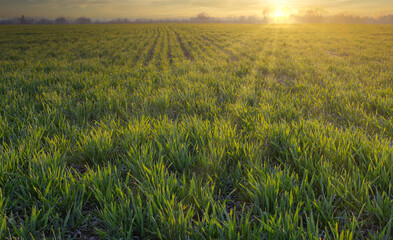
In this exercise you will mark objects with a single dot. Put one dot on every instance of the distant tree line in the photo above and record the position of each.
(320, 15)
(58, 21)
(316, 15)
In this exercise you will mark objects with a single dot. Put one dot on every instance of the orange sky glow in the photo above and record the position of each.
(184, 8)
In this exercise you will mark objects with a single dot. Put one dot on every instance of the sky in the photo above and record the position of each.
(181, 8)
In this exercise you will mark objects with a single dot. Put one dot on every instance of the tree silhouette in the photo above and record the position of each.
(202, 17)
(61, 20)
(266, 12)
(83, 20)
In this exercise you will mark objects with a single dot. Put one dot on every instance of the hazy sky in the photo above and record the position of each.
(178, 8)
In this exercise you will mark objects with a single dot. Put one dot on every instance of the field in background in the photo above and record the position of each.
(196, 131)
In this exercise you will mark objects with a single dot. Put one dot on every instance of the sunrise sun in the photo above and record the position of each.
(280, 13)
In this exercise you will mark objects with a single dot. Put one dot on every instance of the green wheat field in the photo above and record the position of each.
(196, 131)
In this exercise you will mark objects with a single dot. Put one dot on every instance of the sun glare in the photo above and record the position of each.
(280, 13)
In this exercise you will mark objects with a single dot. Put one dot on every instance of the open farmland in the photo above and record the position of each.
(177, 131)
